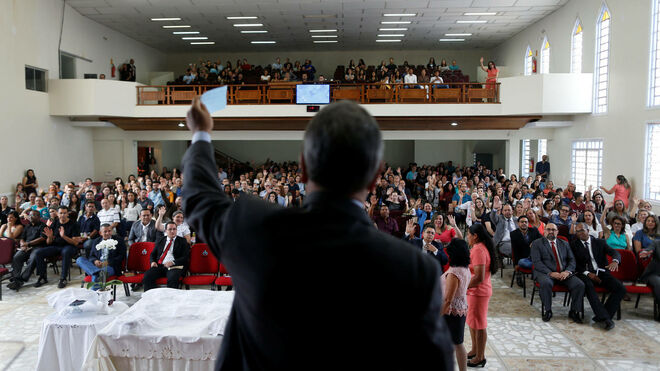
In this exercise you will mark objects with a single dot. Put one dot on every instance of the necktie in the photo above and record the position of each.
(586, 244)
(554, 251)
(160, 261)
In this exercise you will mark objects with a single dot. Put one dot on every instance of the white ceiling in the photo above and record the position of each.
(288, 22)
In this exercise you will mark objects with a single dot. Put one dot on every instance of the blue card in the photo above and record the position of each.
(215, 99)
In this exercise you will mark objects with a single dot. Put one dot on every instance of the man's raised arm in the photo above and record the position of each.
(204, 203)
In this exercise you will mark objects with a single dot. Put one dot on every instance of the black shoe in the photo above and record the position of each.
(597, 319)
(16, 285)
(40, 282)
(546, 317)
(471, 356)
(609, 324)
(61, 284)
(478, 364)
(575, 316)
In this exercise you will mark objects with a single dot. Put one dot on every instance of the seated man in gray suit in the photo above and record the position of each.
(143, 230)
(651, 274)
(554, 264)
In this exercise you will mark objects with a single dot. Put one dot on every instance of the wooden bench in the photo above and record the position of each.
(447, 94)
(242, 95)
(385, 94)
(280, 93)
(347, 93)
(182, 96)
(476, 94)
(412, 94)
(157, 96)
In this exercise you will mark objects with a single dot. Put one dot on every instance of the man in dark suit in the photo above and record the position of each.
(143, 230)
(651, 274)
(426, 244)
(521, 240)
(592, 268)
(554, 263)
(169, 258)
(313, 325)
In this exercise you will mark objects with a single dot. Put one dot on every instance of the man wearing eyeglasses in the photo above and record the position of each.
(593, 269)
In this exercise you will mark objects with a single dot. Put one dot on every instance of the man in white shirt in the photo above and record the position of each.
(222, 174)
(410, 78)
(108, 215)
(277, 65)
(169, 258)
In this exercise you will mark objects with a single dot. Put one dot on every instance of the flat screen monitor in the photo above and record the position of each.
(313, 94)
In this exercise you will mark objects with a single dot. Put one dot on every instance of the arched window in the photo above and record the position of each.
(576, 48)
(545, 56)
(601, 72)
(654, 76)
(528, 61)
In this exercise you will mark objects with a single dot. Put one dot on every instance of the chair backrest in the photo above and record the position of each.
(6, 250)
(138, 256)
(627, 267)
(222, 269)
(202, 260)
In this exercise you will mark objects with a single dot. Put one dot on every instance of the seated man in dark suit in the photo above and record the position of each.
(521, 240)
(169, 258)
(426, 243)
(651, 274)
(592, 268)
(93, 265)
(554, 263)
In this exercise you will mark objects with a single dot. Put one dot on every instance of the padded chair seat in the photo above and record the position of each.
(224, 281)
(88, 278)
(163, 280)
(601, 290)
(132, 279)
(199, 280)
(632, 289)
(555, 288)
(524, 270)
(3, 271)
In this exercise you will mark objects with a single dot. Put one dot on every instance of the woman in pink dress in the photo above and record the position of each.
(492, 72)
(454, 286)
(621, 190)
(483, 263)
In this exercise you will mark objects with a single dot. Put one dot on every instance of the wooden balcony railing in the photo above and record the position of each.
(285, 93)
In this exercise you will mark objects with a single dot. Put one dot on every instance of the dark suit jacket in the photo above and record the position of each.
(441, 257)
(544, 259)
(181, 250)
(136, 232)
(312, 323)
(115, 257)
(600, 249)
(519, 247)
(653, 269)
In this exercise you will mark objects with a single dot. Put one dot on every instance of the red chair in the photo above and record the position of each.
(6, 254)
(556, 289)
(224, 279)
(137, 263)
(520, 271)
(203, 268)
(628, 273)
(88, 279)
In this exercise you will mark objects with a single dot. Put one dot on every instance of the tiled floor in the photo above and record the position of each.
(517, 338)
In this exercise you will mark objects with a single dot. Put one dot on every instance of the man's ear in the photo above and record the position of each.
(372, 185)
(303, 170)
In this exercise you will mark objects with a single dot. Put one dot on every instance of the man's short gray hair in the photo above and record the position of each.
(342, 148)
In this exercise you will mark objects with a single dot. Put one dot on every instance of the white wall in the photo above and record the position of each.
(623, 128)
(29, 35)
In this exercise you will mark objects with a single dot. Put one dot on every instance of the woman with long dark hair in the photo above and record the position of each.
(454, 286)
(483, 263)
(29, 182)
(621, 190)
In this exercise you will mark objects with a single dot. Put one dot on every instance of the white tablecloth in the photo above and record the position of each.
(166, 329)
(65, 341)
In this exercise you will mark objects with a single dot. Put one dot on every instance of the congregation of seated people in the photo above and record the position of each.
(561, 234)
(217, 73)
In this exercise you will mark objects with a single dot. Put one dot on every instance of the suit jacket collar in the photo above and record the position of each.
(340, 203)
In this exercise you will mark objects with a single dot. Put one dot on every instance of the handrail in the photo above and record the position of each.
(372, 93)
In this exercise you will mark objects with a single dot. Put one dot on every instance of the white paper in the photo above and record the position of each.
(215, 99)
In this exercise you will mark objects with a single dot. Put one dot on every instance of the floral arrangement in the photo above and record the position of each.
(105, 246)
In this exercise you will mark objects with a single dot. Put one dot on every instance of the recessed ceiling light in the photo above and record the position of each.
(483, 13)
(393, 29)
(262, 42)
(185, 32)
(254, 31)
(388, 41)
(181, 124)
(177, 26)
(399, 14)
(322, 30)
(248, 24)
(202, 43)
(458, 34)
(247, 17)
(165, 19)
(324, 41)
(454, 124)
(328, 36)
(392, 35)
(195, 38)
(452, 39)
(471, 21)
(395, 22)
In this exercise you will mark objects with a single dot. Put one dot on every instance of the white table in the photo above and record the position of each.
(166, 329)
(65, 341)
